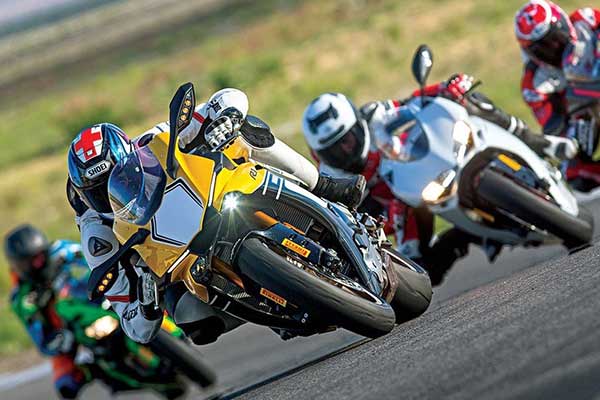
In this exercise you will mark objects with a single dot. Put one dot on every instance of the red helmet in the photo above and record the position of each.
(543, 30)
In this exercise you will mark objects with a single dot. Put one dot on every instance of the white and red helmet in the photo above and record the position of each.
(543, 30)
(336, 133)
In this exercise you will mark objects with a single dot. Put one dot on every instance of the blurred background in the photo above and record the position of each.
(66, 64)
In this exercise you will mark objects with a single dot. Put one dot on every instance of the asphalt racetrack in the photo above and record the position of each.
(525, 327)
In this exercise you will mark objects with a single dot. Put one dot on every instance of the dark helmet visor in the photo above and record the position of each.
(347, 153)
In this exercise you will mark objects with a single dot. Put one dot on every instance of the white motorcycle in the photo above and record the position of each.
(481, 178)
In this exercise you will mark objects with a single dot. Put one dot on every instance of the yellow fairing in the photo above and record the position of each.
(198, 173)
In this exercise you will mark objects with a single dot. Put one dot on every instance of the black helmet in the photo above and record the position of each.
(27, 251)
(92, 155)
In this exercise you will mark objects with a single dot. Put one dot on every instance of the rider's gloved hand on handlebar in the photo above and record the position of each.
(224, 129)
(208, 126)
(458, 85)
(561, 148)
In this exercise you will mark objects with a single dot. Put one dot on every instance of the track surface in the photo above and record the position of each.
(529, 333)
(533, 335)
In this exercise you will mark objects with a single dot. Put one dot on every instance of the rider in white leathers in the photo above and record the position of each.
(344, 139)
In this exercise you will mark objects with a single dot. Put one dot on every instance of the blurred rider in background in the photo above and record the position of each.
(38, 271)
(96, 150)
(344, 139)
(553, 43)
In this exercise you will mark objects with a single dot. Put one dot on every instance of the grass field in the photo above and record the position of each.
(282, 53)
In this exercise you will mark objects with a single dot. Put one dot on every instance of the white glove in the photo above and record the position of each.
(220, 132)
(561, 148)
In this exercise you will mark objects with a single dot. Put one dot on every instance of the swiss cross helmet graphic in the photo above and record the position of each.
(92, 155)
(544, 30)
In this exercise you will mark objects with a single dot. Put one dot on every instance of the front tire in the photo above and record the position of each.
(322, 300)
(413, 294)
(508, 195)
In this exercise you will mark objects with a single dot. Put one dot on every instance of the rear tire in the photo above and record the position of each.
(413, 294)
(509, 196)
(328, 304)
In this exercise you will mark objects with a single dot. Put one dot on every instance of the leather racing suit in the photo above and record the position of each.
(413, 228)
(35, 308)
(543, 87)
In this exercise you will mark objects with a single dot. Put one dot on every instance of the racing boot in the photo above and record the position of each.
(555, 147)
(348, 191)
(450, 246)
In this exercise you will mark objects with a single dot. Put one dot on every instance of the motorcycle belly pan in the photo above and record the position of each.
(457, 217)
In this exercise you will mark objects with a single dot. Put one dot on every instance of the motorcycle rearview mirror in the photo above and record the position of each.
(421, 66)
(181, 110)
(105, 275)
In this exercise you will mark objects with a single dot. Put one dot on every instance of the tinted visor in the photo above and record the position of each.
(96, 197)
(30, 267)
(347, 153)
(136, 187)
(551, 47)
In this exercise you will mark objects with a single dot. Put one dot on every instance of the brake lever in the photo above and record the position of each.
(475, 84)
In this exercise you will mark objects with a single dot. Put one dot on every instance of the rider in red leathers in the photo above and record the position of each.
(553, 43)
(346, 140)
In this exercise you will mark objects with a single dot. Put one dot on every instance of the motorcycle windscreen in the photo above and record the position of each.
(414, 142)
(434, 122)
(135, 187)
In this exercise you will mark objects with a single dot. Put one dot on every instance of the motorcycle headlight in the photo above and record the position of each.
(102, 327)
(231, 201)
(438, 189)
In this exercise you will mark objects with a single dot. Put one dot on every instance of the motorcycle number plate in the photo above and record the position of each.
(512, 164)
(296, 248)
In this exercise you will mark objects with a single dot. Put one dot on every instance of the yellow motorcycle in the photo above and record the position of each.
(250, 241)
